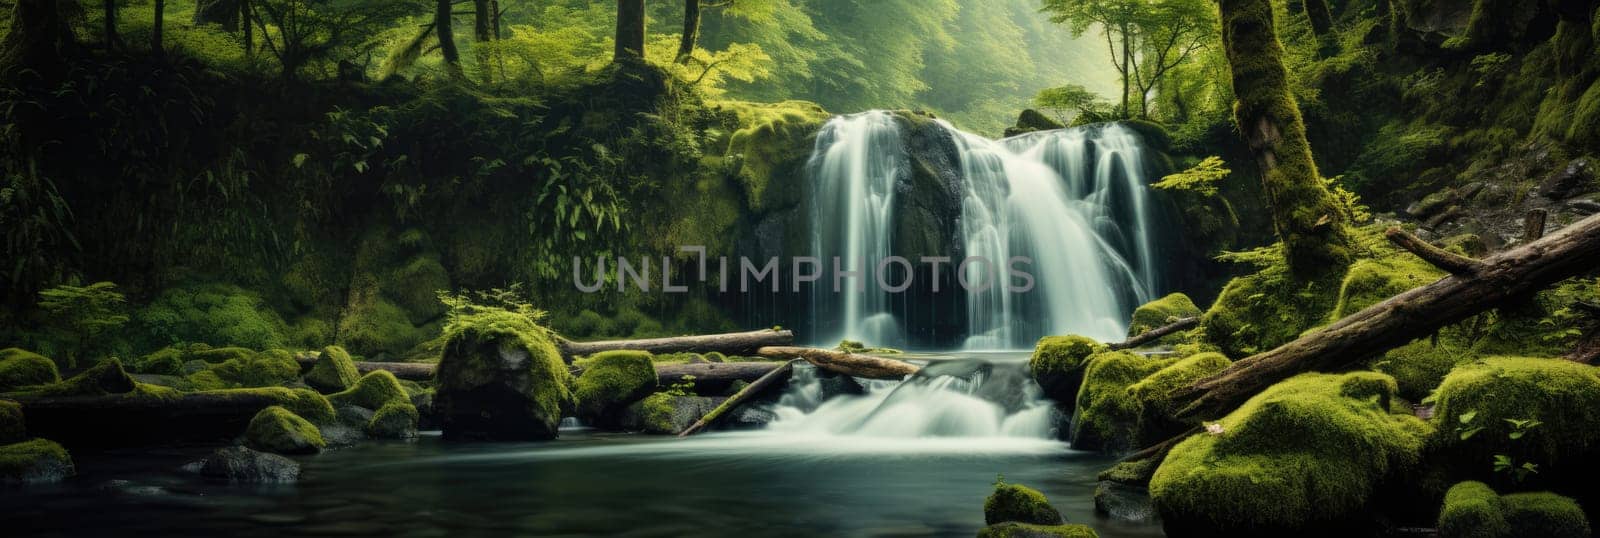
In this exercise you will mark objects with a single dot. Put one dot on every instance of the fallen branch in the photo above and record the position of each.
(1445, 260)
(749, 391)
(852, 364)
(1182, 324)
(1571, 251)
(743, 343)
(666, 374)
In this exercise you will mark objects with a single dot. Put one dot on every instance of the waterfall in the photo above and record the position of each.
(951, 398)
(1074, 201)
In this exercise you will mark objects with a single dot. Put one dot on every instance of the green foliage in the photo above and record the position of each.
(1473, 510)
(1018, 503)
(1201, 178)
(611, 381)
(21, 368)
(301, 32)
(1420, 366)
(246, 369)
(215, 314)
(1072, 101)
(82, 315)
(12, 426)
(280, 431)
(1306, 453)
(1260, 311)
(1161, 312)
(1487, 400)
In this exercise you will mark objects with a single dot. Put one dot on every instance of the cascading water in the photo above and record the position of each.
(1071, 200)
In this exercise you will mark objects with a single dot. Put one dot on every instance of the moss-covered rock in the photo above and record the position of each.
(772, 143)
(243, 368)
(1307, 455)
(1420, 366)
(34, 462)
(1266, 309)
(165, 361)
(1013, 529)
(1021, 504)
(1154, 391)
(280, 431)
(1107, 416)
(21, 368)
(1058, 362)
(611, 381)
(1371, 281)
(1161, 312)
(12, 426)
(1474, 510)
(394, 421)
(108, 377)
(501, 377)
(307, 403)
(1478, 401)
(373, 391)
(333, 371)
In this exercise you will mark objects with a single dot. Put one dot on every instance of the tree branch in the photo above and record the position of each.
(1450, 262)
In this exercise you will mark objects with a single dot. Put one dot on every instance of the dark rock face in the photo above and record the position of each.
(241, 465)
(500, 386)
(1031, 120)
(1123, 502)
(1577, 177)
(426, 420)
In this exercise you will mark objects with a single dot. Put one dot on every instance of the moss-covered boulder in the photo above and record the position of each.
(1106, 417)
(12, 426)
(1021, 504)
(243, 368)
(610, 382)
(501, 377)
(373, 391)
(1057, 365)
(333, 371)
(393, 421)
(1260, 311)
(1474, 510)
(21, 368)
(1372, 281)
(1476, 404)
(280, 431)
(1154, 392)
(1420, 366)
(34, 462)
(664, 413)
(1306, 456)
(1013, 529)
(1161, 312)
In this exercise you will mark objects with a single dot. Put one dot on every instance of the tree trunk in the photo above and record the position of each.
(630, 30)
(156, 46)
(494, 6)
(39, 38)
(113, 41)
(1306, 216)
(1489, 283)
(225, 13)
(844, 363)
(666, 374)
(745, 343)
(1321, 18)
(481, 15)
(691, 31)
(447, 39)
(247, 18)
(781, 373)
(1125, 66)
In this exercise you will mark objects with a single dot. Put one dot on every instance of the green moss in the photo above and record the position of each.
(1058, 362)
(34, 461)
(1258, 312)
(215, 314)
(1161, 312)
(1013, 529)
(1107, 416)
(245, 369)
(1420, 366)
(1472, 510)
(612, 380)
(21, 368)
(394, 420)
(1022, 504)
(1564, 395)
(1544, 514)
(1154, 391)
(12, 426)
(544, 392)
(1133, 473)
(373, 391)
(333, 371)
(1371, 281)
(1306, 453)
(771, 142)
(165, 361)
(280, 431)
(655, 414)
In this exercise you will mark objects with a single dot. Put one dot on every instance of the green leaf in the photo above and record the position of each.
(299, 159)
(1467, 417)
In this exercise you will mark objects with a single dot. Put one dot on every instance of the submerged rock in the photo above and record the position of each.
(501, 378)
(1123, 502)
(38, 461)
(242, 465)
(279, 430)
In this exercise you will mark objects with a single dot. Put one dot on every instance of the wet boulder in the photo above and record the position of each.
(240, 465)
(610, 382)
(1576, 178)
(1057, 365)
(501, 377)
(1022, 504)
(393, 421)
(279, 430)
(333, 371)
(666, 414)
(1160, 312)
(38, 461)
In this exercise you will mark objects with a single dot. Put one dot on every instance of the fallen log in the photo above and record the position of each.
(1491, 282)
(1182, 324)
(749, 391)
(666, 374)
(743, 343)
(133, 419)
(852, 364)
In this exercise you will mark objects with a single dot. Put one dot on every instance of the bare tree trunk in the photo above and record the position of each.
(443, 28)
(246, 17)
(1471, 288)
(630, 30)
(481, 16)
(1305, 214)
(156, 46)
(691, 31)
(113, 41)
(1321, 18)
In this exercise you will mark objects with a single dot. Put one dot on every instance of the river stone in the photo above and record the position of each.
(426, 419)
(1576, 177)
(501, 378)
(242, 465)
(1123, 502)
(38, 461)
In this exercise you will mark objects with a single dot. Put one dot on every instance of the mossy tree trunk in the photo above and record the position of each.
(630, 30)
(1306, 216)
(481, 13)
(245, 18)
(691, 31)
(447, 39)
(39, 38)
